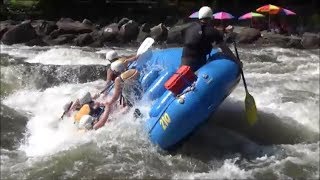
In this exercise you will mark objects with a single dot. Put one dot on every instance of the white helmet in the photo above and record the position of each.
(85, 98)
(111, 55)
(118, 66)
(205, 12)
(85, 122)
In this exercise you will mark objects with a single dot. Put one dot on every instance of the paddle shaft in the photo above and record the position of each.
(242, 75)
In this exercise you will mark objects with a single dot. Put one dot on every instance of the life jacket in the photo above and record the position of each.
(88, 110)
(131, 88)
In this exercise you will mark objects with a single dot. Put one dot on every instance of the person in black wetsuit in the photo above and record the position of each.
(198, 41)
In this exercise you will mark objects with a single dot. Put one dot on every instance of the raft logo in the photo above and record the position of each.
(164, 121)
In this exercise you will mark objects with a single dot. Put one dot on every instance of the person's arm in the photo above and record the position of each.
(117, 91)
(109, 76)
(103, 118)
(218, 37)
(131, 59)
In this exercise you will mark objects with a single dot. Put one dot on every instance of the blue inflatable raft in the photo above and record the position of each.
(173, 117)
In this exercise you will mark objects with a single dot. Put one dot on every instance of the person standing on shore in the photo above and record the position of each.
(198, 41)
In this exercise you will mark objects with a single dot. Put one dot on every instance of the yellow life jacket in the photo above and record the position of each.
(84, 110)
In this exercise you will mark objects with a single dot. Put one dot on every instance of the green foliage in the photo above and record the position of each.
(23, 3)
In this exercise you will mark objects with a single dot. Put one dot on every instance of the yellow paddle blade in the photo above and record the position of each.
(251, 109)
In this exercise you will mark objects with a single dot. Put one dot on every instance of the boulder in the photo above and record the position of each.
(87, 22)
(96, 35)
(230, 37)
(248, 35)
(122, 22)
(129, 31)
(110, 32)
(45, 27)
(310, 40)
(294, 42)
(83, 40)
(36, 42)
(159, 32)
(55, 33)
(21, 33)
(272, 39)
(63, 39)
(5, 26)
(144, 32)
(69, 26)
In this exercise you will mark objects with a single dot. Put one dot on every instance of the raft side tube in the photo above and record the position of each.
(149, 78)
(177, 120)
(157, 88)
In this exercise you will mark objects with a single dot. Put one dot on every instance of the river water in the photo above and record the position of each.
(36, 82)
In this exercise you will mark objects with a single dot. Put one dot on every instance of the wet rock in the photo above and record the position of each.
(110, 32)
(310, 40)
(69, 26)
(83, 40)
(87, 22)
(63, 39)
(248, 35)
(144, 32)
(230, 37)
(129, 31)
(5, 26)
(122, 22)
(37, 42)
(271, 39)
(21, 33)
(43, 27)
(159, 32)
(97, 39)
(294, 42)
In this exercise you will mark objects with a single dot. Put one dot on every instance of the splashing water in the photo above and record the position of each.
(284, 83)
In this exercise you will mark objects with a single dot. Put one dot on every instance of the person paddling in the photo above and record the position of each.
(127, 90)
(118, 66)
(198, 41)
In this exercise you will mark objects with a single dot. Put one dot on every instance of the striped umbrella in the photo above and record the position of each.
(270, 9)
(251, 15)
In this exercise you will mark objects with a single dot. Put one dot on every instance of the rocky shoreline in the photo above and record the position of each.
(66, 31)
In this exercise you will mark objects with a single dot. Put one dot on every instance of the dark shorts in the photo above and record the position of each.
(194, 63)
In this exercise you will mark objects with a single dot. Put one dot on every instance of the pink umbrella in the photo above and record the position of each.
(194, 15)
(222, 15)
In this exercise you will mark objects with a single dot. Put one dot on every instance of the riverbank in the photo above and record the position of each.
(67, 31)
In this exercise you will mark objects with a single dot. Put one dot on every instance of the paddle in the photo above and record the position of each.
(250, 105)
(66, 108)
(145, 45)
